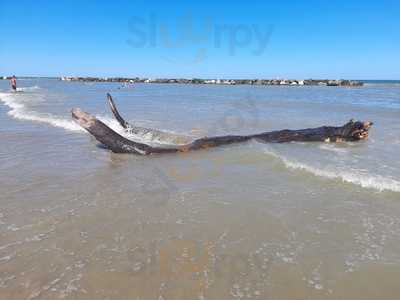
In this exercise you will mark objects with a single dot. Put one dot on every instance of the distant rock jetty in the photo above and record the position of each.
(292, 82)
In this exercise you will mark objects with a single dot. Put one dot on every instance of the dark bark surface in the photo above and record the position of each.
(116, 114)
(351, 131)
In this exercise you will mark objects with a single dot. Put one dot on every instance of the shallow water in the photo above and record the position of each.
(256, 221)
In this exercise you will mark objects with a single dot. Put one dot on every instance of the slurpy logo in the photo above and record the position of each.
(197, 37)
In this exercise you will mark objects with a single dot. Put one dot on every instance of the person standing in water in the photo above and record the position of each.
(13, 82)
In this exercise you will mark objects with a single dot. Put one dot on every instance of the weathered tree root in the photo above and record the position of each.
(351, 131)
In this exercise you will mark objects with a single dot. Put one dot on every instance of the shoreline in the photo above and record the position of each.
(291, 82)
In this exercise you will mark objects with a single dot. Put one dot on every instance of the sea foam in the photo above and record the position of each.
(19, 110)
(376, 182)
(28, 88)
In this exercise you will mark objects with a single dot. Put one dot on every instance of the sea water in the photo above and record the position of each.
(253, 220)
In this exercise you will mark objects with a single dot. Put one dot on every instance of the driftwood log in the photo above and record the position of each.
(351, 131)
(152, 134)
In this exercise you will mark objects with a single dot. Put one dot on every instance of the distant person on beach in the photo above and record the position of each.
(13, 82)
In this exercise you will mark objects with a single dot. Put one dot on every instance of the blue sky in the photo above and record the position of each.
(207, 39)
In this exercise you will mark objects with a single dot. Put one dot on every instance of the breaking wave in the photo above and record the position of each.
(28, 88)
(20, 111)
(376, 182)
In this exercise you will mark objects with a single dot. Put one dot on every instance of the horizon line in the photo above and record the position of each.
(201, 78)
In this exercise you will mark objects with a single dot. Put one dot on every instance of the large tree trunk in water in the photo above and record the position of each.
(351, 131)
(148, 133)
